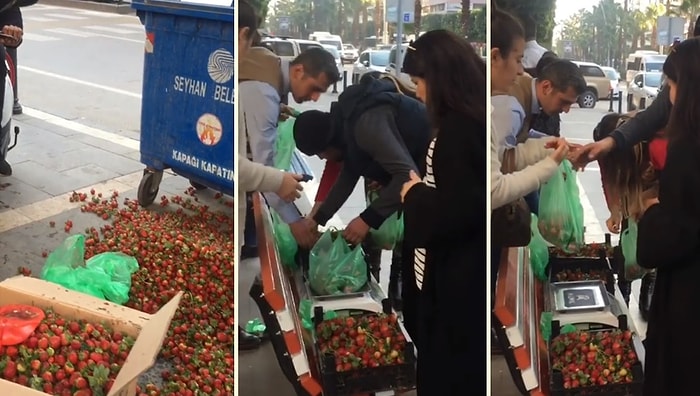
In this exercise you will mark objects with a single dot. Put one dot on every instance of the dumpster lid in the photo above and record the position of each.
(210, 9)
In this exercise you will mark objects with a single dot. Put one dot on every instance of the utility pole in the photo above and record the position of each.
(622, 40)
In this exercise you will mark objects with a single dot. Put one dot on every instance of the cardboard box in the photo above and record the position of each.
(148, 330)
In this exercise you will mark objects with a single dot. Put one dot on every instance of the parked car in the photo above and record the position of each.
(349, 54)
(370, 60)
(333, 40)
(288, 49)
(336, 55)
(645, 85)
(615, 80)
(391, 68)
(598, 84)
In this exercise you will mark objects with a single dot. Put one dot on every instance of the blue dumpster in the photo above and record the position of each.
(187, 102)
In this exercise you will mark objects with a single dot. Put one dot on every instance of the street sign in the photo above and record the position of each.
(669, 27)
(391, 16)
(407, 17)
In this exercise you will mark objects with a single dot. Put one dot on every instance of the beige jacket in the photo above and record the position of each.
(260, 65)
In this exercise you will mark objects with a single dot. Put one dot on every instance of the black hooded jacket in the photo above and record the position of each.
(383, 135)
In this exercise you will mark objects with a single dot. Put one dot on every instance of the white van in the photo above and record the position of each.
(645, 62)
(333, 40)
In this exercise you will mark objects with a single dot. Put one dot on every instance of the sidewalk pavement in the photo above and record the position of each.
(123, 7)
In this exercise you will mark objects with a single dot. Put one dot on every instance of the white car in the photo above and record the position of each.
(349, 54)
(645, 85)
(288, 49)
(370, 60)
(332, 49)
(615, 78)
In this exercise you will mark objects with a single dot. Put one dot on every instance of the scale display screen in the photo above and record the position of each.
(579, 298)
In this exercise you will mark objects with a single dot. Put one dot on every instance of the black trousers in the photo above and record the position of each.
(13, 55)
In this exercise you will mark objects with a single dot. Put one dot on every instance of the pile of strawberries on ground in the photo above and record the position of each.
(189, 249)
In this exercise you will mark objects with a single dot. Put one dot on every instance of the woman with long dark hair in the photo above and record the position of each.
(445, 216)
(669, 236)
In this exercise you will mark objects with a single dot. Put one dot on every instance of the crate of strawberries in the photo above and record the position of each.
(602, 363)
(363, 354)
(585, 265)
(59, 342)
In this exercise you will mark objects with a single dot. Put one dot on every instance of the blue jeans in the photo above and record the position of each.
(250, 236)
(533, 201)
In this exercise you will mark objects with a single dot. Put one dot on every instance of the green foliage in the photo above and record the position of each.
(452, 22)
(262, 7)
(541, 10)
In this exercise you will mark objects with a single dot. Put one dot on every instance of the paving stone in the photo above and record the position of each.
(45, 179)
(103, 144)
(89, 174)
(119, 164)
(15, 193)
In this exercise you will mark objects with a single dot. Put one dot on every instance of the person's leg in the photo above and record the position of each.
(250, 237)
(619, 267)
(496, 253)
(373, 253)
(17, 107)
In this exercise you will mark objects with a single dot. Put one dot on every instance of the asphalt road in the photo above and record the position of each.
(82, 65)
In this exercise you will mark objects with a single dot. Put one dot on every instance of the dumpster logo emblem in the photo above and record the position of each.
(209, 129)
(221, 66)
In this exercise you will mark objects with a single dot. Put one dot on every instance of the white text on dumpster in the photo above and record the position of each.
(190, 86)
(214, 169)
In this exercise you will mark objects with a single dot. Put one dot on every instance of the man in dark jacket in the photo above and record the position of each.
(377, 133)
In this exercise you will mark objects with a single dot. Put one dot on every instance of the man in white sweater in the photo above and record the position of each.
(254, 176)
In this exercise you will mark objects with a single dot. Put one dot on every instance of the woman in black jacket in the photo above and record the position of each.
(669, 236)
(445, 217)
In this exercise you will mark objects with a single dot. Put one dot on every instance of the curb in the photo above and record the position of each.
(122, 9)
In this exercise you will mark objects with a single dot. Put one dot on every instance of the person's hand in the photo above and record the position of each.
(291, 187)
(356, 231)
(414, 179)
(305, 232)
(592, 152)
(614, 223)
(373, 186)
(14, 31)
(561, 149)
(286, 112)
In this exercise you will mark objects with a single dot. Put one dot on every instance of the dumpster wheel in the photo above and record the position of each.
(148, 188)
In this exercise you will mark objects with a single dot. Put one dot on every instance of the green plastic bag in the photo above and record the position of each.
(335, 268)
(539, 252)
(561, 214)
(106, 275)
(284, 240)
(628, 243)
(307, 314)
(285, 145)
(390, 233)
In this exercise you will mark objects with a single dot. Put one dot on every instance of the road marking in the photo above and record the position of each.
(66, 16)
(84, 34)
(37, 19)
(111, 29)
(133, 26)
(84, 129)
(38, 37)
(71, 32)
(81, 82)
(99, 14)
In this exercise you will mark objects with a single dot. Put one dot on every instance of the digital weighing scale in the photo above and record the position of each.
(369, 298)
(585, 304)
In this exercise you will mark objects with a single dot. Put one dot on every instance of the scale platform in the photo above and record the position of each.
(368, 299)
(585, 304)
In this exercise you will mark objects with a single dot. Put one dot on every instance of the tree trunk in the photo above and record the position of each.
(378, 17)
(466, 10)
(361, 33)
(654, 43)
(418, 13)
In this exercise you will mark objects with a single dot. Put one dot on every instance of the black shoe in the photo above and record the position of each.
(247, 341)
(5, 168)
(249, 252)
(17, 108)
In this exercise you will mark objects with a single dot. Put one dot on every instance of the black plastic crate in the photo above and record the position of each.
(586, 266)
(364, 380)
(634, 388)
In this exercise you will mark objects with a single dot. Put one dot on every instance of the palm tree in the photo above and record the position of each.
(417, 14)
(466, 9)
